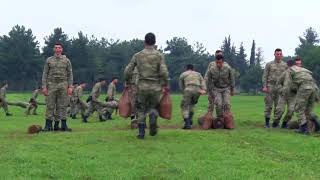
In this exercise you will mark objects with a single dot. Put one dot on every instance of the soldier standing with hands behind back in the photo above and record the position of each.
(57, 81)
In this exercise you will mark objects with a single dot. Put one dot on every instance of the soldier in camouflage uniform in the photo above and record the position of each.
(3, 100)
(111, 96)
(300, 80)
(33, 104)
(220, 82)
(57, 81)
(152, 78)
(289, 100)
(272, 72)
(210, 95)
(93, 102)
(192, 84)
(77, 103)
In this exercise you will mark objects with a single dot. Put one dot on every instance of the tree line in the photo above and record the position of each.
(22, 58)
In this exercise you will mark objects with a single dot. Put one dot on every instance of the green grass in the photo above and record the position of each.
(110, 150)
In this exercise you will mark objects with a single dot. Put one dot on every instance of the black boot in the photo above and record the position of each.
(284, 125)
(48, 126)
(303, 129)
(316, 125)
(74, 116)
(56, 126)
(275, 123)
(102, 118)
(8, 114)
(187, 123)
(191, 117)
(84, 118)
(267, 120)
(153, 125)
(141, 127)
(64, 126)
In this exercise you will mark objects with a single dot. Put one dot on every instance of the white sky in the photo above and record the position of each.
(271, 23)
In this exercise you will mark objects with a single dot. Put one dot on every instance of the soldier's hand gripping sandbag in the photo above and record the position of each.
(34, 129)
(205, 121)
(125, 104)
(165, 106)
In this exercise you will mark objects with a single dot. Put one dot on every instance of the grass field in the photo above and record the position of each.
(110, 150)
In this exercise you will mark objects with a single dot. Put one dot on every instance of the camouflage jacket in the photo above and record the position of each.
(133, 79)
(35, 94)
(111, 91)
(272, 72)
(96, 90)
(298, 78)
(57, 70)
(77, 92)
(217, 78)
(151, 69)
(3, 92)
(191, 78)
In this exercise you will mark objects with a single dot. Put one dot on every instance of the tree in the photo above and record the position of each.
(253, 54)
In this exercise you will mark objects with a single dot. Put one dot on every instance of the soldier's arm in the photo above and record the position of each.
(128, 71)
(80, 92)
(287, 83)
(69, 74)
(45, 74)
(232, 79)
(94, 92)
(110, 91)
(265, 75)
(202, 83)
(164, 74)
(206, 76)
(181, 81)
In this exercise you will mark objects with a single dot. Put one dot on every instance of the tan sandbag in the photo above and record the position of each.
(34, 129)
(205, 121)
(228, 120)
(165, 106)
(125, 104)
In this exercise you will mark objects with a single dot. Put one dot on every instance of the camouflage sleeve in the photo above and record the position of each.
(163, 72)
(69, 74)
(202, 83)
(232, 79)
(110, 91)
(94, 91)
(128, 71)
(45, 74)
(80, 93)
(287, 83)
(181, 81)
(265, 75)
(206, 77)
(281, 79)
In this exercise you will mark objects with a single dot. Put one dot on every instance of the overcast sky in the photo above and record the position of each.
(271, 23)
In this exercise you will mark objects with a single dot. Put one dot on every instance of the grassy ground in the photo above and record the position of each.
(110, 150)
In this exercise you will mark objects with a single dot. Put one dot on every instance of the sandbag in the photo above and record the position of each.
(218, 123)
(34, 129)
(125, 104)
(165, 106)
(228, 120)
(205, 121)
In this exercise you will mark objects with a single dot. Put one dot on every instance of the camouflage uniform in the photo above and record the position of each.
(111, 98)
(272, 72)
(33, 104)
(152, 76)
(3, 101)
(76, 102)
(288, 99)
(95, 104)
(57, 77)
(219, 82)
(210, 93)
(300, 80)
(191, 82)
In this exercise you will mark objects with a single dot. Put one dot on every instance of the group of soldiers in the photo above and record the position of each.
(146, 77)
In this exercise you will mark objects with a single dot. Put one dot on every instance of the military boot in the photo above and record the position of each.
(316, 125)
(64, 126)
(267, 120)
(8, 114)
(74, 116)
(284, 125)
(153, 125)
(47, 126)
(303, 129)
(187, 123)
(84, 118)
(141, 127)
(56, 126)
(191, 117)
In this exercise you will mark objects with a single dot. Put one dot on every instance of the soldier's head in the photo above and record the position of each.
(218, 52)
(297, 61)
(115, 80)
(102, 81)
(75, 84)
(58, 48)
(82, 84)
(278, 54)
(290, 63)
(150, 39)
(5, 84)
(189, 67)
(219, 60)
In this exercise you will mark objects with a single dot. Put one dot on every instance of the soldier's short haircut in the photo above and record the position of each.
(189, 67)
(290, 63)
(277, 50)
(219, 57)
(113, 78)
(58, 44)
(150, 39)
(218, 51)
(297, 58)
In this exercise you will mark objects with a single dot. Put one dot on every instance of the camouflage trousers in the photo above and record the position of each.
(147, 103)
(133, 99)
(32, 106)
(290, 101)
(304, 104)
(271, 100)
(95, 106)
(77, 105)
(211, 101)
(189, 100)
(57, 101)
(4, 105)
(221, 100)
